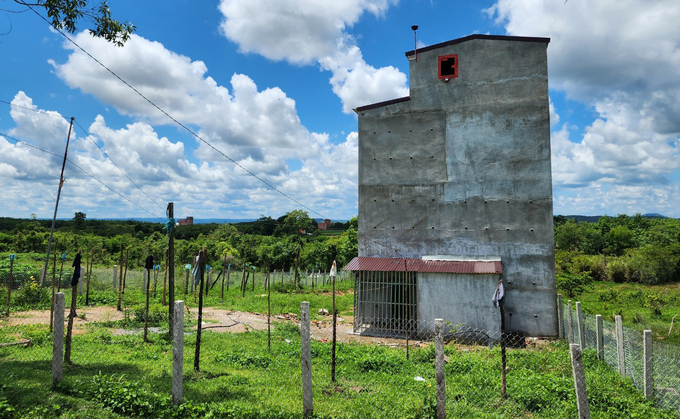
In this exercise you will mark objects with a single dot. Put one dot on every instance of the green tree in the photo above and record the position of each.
(68, 14)
(79, 220)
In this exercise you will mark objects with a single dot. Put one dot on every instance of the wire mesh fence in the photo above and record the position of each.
(626, 355)
(249, 363)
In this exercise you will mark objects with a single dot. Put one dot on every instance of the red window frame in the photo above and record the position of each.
(443, 58)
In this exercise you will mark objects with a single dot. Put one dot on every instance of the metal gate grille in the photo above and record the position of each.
(385, 303)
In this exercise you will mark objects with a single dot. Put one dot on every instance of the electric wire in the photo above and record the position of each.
(189, 130)
(88, 136)
(82, 170)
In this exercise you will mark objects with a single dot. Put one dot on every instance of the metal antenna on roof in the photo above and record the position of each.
(414, 28)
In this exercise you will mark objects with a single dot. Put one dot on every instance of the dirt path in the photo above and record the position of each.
(214, 320)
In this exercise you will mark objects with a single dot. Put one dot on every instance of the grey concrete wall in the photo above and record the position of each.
(463, 168)
(439, 297)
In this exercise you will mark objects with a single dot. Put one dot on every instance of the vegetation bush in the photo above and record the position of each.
(158, 315)
(573, 284)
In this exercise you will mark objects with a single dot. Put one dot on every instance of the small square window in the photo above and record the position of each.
(448, 66)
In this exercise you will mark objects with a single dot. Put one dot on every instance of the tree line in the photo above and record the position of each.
(619, 249)
(288, 242)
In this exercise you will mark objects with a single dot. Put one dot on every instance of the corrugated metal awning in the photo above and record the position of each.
(430, 266)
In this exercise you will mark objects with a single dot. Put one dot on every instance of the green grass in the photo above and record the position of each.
(120, 376)
(650, 307)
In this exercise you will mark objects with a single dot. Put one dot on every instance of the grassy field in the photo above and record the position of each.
(120, 376)
(115, 374)
(652, 307)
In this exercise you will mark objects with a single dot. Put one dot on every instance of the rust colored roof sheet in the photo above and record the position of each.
(430, 266)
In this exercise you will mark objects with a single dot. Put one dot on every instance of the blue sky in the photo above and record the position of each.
(272, 85)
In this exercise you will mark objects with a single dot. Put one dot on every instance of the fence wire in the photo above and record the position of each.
(665, 357)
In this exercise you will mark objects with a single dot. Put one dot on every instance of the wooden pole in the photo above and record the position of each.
(88, 269)
(9, 283)
(197, 354)
(165, 282)
(54, 280)
(335, 322)
(224, 273)
(71, 317)
(146, 306)
(269, 314)
(120, 280)
(56, 205)
(127, 259)
(61, 272)
(171, 265)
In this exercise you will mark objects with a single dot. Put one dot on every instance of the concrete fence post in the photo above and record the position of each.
(560, 317)
(579, 381)
(177, 352)
(58, 338)
(115, 277)
(439, 367)
(619, 346)
(307, 405)
(570, 323)
(648, 358)
(599, 337)
(581, 326)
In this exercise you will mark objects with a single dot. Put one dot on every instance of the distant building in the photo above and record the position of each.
(189, 221)
(324, 226)
(455, 193)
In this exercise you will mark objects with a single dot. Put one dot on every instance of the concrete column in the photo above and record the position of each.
(80, 284)
(177, 352)
(579, 381)
(619, 346)
(115, 277)
(307, 406)
(439, 367)
(599, 337)
(560, 317)
(648, 365)
(581, 326)
(58, 338)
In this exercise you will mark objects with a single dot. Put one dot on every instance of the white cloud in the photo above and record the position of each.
(621, 60)
(309, 31)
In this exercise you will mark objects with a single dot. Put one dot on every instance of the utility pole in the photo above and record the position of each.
(54, 218)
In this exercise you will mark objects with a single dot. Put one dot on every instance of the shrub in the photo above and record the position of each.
(158, 315)
(32, 295)
(573, 284)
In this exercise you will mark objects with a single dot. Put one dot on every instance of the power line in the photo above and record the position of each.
(84, 171)
(190, 131)
(118, 167)
(87, 135)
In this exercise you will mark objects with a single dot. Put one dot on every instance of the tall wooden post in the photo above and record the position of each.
(9, 282)
(171, 263)
(54, 280)
(120, 280)
(269, 314)
(335, 322)
(56, 205)
(197, 354)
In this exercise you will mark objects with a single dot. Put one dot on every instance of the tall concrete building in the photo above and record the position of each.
(455, 179)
